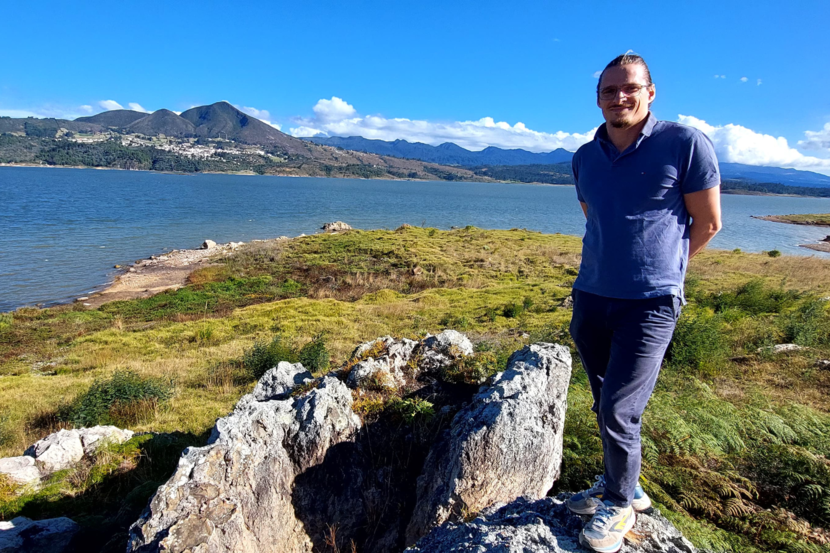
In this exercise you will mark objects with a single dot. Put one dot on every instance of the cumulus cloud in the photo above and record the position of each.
(335, 117)
(262, 114)
(137, 107)
(597, 74)
(737, 144)
(333, 110)
(86, 109)
(816, 140)
(720, 76)
(759, 82)
(744, 79)
(110, 104)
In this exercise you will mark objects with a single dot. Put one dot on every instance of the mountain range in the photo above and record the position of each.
(452, 154)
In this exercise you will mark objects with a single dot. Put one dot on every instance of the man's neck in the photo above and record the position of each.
(623, 138)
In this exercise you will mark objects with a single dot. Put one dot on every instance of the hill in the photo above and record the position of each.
(117, 118)
(222, 120)
(446, 153)
(787, 177)
(44, 128)
(163, 122)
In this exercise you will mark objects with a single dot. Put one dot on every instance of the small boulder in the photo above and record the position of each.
(95, 437)
(781, 348)
(567, 303)
(371, 373)
(23, 535)
(336, 226)
(208, 244)
(58, 451)
(278, 382)
(441, 350)
(823, 364)
(22, 470)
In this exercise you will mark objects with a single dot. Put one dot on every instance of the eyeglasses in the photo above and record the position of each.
(610, 92)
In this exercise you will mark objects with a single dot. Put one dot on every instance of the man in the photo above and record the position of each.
(638, 182)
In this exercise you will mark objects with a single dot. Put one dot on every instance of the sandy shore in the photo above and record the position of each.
(158, 273)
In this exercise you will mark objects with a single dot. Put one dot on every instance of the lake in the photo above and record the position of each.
(62, 230)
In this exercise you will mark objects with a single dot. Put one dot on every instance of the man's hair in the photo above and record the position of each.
(629, 58)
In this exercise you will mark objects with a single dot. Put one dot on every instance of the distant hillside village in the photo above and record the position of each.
(220, 138)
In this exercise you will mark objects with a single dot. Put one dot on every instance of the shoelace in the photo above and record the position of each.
(599, 482)
(602, 518)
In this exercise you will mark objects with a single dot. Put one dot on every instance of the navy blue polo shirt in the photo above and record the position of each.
(636, 242)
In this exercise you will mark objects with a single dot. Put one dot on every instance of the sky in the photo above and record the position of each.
(753, 76)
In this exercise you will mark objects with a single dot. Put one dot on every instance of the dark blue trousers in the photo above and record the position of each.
(622, 344)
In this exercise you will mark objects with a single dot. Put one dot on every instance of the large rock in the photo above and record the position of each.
(505, 444)
(23, 535)
(58, 451)
(235, 494)
(543, 526)
(278, 382)
(22, 470)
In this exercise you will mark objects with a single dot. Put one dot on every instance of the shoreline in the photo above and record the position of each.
(783, 219)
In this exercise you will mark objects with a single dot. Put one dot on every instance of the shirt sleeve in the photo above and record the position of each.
(575, 173)
(702, 170)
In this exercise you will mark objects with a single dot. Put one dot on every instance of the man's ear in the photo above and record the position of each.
(652, 94)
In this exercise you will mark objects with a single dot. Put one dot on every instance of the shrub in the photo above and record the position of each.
(264, 355)
(123, 399)
(753, 298)
(473, 369)
(774, 253)
(513, 310)
(410, 409)
(808, 325)
(314, 355)
(6, 320)
(698, 345)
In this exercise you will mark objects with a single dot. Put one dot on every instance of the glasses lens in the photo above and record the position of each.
(610, 92)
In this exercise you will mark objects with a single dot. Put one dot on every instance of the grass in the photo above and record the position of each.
(806, 218)
(736, 440)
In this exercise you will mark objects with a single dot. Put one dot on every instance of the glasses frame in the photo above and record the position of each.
(604, 95)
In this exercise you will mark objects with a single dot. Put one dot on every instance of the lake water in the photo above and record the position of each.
(62, 230)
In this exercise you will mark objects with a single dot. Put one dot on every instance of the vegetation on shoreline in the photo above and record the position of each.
(815, 219)
(736, 439)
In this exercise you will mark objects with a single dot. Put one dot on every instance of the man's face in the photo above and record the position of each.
(624, 111)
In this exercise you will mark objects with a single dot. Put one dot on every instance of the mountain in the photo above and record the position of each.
(44, 128)
(446, 153)
(222, 120)
(163, 122)
(787, 177)
(118, 118)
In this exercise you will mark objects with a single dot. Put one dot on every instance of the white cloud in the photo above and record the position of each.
(18, 113)
(720, 76)
(737, 144)
(744, 79)
(137, 107)
(86, 109)
(262, 114)
(759, 82)
(597, 74)
(110, 104)
(333, 110)
(258, 113)
(816, 140)
(474, 135)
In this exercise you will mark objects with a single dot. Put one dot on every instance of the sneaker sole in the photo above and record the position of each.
(609, 548)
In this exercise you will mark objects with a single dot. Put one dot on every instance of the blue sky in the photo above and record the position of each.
(435, 71)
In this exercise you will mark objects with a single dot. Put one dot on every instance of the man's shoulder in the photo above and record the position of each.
(584, 150)
(678, 131)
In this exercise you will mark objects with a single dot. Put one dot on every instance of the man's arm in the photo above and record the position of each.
(704, 207)
(584, 208)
